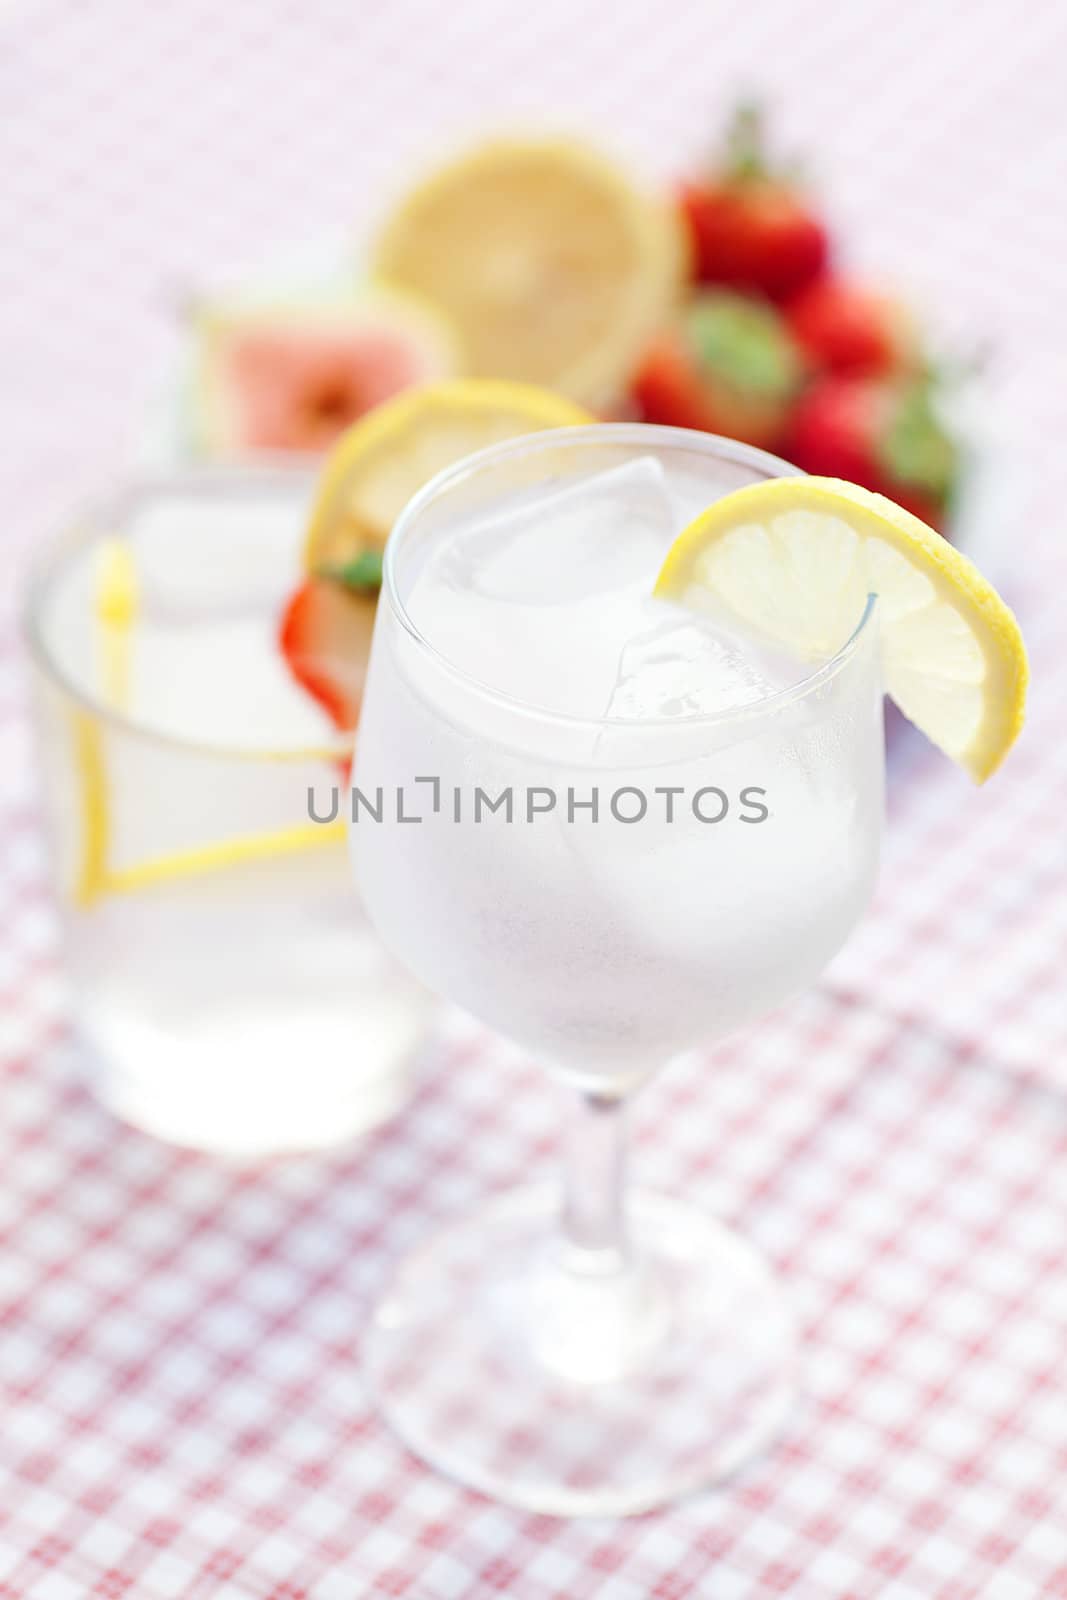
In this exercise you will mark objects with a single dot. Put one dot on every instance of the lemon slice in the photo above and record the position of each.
(116, 613)
(116, 604)
(382, 460)
(550, 264)
(795, 558)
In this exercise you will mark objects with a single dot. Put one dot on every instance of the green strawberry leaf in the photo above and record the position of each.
(916, 448)
(744, 343)
(746, 142)
(745, 155)
(363, 573)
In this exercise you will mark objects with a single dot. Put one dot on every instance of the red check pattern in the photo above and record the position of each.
(183, 1409)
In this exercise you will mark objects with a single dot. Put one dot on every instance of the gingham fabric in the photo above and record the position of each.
(183, 1412)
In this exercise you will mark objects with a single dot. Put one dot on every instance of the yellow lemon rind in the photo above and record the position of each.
(954, 576)
(413, 410)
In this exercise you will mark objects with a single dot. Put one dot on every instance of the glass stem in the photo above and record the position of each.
(594, 1183)
(596, 1308)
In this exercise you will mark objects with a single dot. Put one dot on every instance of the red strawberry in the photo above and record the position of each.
(847, 327)
(882, 434)
(730, 367)
(325, 635)
(748, 228)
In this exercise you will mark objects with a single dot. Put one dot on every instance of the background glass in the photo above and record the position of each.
(230, 989)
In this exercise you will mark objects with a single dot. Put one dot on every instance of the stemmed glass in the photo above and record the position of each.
(598, 1349)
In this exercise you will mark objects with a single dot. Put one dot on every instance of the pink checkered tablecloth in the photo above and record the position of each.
(183, 1410)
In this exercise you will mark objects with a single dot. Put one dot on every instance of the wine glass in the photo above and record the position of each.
(596, 1349)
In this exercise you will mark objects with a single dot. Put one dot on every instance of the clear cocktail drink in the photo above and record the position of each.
(644, 835)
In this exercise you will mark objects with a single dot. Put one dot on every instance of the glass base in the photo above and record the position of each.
(232, 1103)
(253, 1127)
(566, 1387)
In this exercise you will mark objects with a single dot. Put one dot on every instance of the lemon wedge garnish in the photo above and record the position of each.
(794, 559)
(552, 266)
(375, 468)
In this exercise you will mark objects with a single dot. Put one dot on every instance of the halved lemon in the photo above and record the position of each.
(551, 265)
(795, 558)
(382, 460)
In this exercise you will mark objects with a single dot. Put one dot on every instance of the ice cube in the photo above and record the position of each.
(681, 665)
(537, 600)
(221, 681)
(200, 659)
(600, 533)
(199, 555)
(213, 571)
